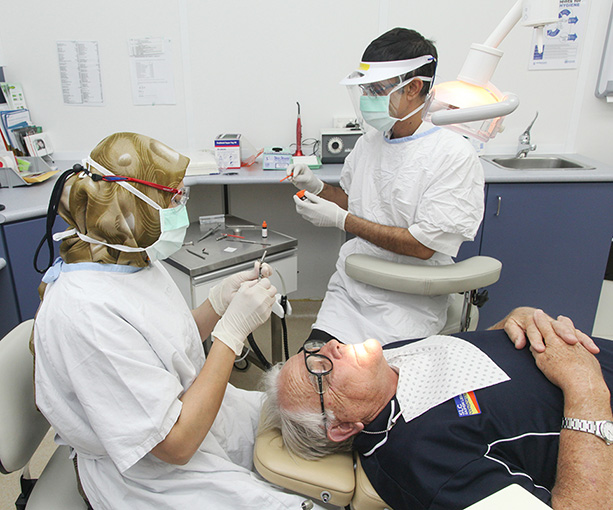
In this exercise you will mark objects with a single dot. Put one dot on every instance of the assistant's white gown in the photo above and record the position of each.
(115, 349)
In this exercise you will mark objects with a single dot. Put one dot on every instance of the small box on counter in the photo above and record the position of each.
(228, 151)
(276, 158)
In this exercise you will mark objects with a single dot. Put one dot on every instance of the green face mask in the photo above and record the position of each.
(173, 225)
(375, 109)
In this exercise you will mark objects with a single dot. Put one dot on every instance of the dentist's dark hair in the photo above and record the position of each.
(403, 44)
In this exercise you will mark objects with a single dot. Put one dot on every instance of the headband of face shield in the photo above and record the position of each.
(173, 224)
(373, 88)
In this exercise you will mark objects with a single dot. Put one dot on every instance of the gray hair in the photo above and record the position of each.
(303, 432)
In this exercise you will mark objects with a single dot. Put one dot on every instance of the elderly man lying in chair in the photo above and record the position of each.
(442, 423)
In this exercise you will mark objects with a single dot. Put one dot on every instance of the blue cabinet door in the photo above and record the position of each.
(553, 240)
(22, 238)
(9, 314)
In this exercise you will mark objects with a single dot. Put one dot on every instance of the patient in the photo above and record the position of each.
(481, 414)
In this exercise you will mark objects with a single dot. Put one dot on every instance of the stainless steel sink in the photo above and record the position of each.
(537, 163)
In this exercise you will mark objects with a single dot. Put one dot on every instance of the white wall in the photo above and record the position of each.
(241, 65)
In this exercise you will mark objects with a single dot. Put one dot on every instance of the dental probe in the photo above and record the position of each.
(243, 241)
(196, 254)
(211, 231)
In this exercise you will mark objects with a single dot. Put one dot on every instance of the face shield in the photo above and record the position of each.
(375, 89)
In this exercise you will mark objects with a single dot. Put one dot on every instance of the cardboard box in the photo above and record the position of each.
(228, 151)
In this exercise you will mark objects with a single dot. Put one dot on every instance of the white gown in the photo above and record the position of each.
(431, 183)
(115, 349)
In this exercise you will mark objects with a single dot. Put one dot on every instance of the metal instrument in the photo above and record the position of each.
(261, 261)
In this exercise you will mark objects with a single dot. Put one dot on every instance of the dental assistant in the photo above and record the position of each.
(409, 192)
(120, 370)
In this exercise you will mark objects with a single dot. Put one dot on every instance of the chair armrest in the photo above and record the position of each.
(332, 474)
(469, 274)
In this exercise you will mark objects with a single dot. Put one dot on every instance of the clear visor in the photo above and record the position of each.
(388, 91)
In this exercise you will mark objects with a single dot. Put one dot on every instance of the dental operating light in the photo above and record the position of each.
(472, 105)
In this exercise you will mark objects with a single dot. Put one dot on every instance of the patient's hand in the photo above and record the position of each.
(569, 366)
(522, 328)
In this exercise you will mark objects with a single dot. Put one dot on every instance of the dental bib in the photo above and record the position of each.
(438, 369)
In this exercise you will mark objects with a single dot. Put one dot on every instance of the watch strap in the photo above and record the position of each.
(591, 427)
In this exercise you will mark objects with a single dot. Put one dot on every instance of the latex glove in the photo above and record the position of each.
(249, 309)
(321, 212)
(221, 294)
(304, 178)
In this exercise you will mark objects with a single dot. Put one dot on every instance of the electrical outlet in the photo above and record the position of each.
(341, 122)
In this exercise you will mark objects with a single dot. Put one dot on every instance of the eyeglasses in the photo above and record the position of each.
(378, 88)
(319, 366)
(179, 197)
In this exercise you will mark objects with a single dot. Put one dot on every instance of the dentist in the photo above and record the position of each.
(409, 192)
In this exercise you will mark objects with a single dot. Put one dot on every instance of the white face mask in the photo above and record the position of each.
(375, 109)
(173, 225)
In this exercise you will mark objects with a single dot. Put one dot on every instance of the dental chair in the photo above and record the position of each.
(23, 427)
(339, 479)
(461, 281)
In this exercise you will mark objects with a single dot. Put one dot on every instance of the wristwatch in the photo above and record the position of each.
(602, 429)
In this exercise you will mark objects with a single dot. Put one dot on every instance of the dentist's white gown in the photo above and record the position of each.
(114, 352)
(430, 183)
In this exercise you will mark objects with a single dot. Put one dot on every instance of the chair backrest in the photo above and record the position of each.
(22, 426)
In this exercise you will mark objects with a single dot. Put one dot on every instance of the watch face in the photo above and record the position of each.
(607, 430)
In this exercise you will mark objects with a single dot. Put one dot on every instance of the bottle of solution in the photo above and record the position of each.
(264, 229)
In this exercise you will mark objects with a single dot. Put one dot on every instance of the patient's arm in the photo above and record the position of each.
(585, 462)
(522, 328)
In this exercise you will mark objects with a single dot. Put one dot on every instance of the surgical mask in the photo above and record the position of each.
(173, 225)
(375, 109)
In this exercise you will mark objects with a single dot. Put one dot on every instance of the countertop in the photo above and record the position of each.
(599, 172)
(32, 201)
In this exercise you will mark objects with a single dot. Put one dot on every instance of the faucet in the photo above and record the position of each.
(524, 141)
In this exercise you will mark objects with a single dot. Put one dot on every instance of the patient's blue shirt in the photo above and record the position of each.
(471, 446)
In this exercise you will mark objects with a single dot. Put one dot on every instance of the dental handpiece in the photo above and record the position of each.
(261, 264)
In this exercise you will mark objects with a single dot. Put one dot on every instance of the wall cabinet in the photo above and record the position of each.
(553, 240)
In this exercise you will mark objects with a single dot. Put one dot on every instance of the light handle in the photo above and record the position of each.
(508, 105)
